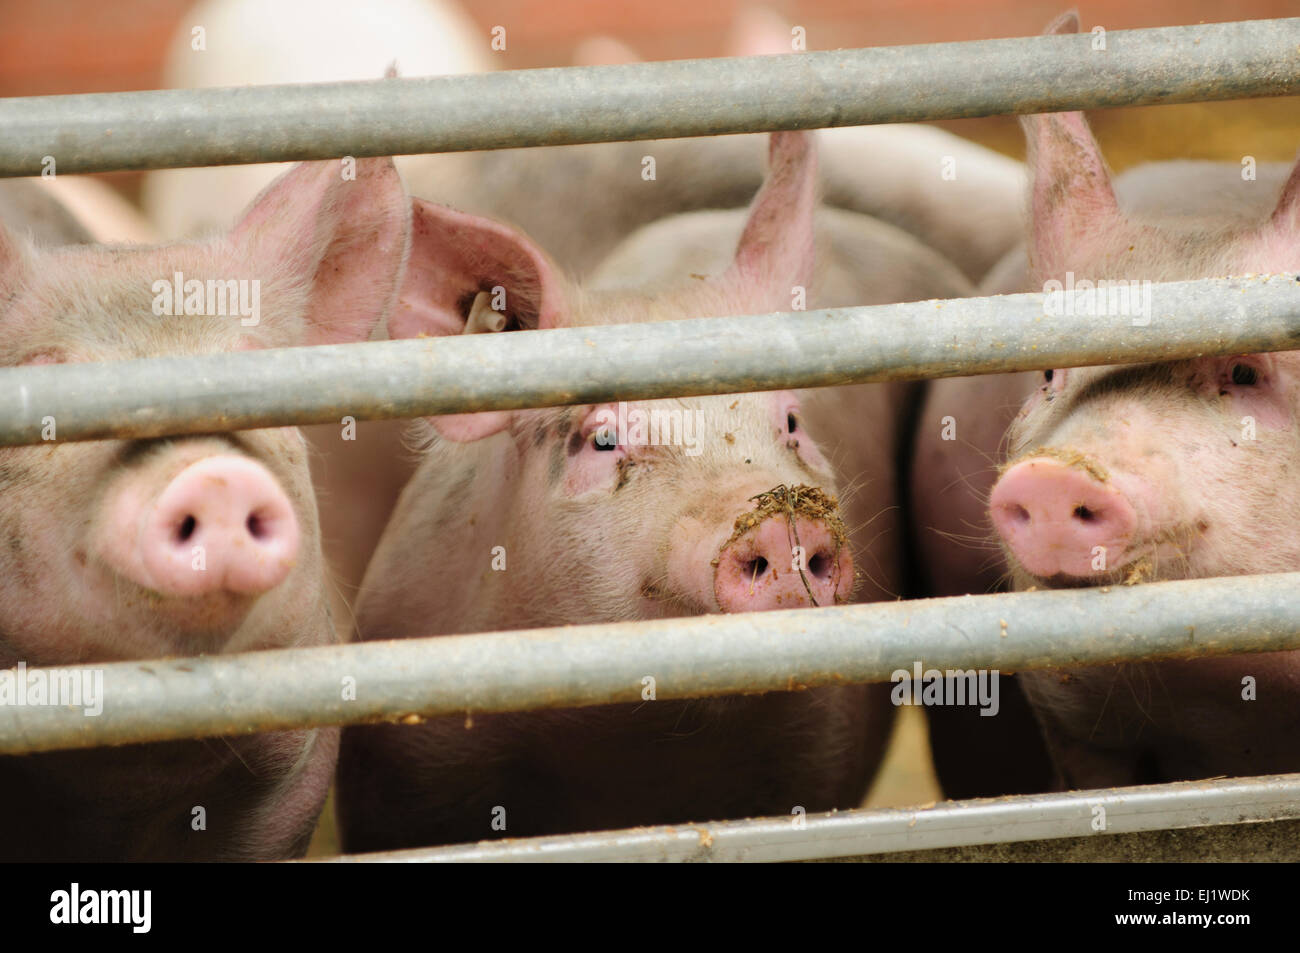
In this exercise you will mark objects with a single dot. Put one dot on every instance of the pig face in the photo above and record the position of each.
(1154, 471)
(623, 510)
(648, 519)
(1171, 470)
(137, 549)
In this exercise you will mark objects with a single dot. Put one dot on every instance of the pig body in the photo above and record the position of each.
(645, 532)
(143, 549)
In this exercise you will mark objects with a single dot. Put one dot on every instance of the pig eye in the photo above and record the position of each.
(1048, 375)
(1243, 375)
(791, 423)
(604, 439)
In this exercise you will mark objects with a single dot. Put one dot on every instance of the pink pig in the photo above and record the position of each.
(1129, 474)
(548, 517)
(1156, 471)
(141, 549)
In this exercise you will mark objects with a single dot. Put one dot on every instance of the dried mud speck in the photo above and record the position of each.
(1140, 571)
(1071, 458)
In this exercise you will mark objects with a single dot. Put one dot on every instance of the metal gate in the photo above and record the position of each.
(709, 655)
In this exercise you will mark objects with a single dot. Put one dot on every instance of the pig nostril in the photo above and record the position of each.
(1017, 513)
(256, 526)
(1084, 514)
(755, 567)
(820, 565)
(186, 529)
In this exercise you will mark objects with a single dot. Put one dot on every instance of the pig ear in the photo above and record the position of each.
(1286, 217)
(1070, 193)
(1070, 187)
(1067, 22)
(454, 258)
(344, 239)
(775, 252)
(463, 269)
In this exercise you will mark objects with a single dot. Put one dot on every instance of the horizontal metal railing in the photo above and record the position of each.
(686, 657)
(155, 129)
(178, 395)
(1034, 817)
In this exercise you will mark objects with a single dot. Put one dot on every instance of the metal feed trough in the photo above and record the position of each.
(710, 655)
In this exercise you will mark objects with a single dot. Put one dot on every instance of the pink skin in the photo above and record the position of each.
(91, 572)
(596, 526)
(1195, 460)
(1055, 517)
(230, 507)
(755, 571)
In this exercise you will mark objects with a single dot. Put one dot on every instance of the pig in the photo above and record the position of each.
(1148, 465)
(595, 530)
(143, 549)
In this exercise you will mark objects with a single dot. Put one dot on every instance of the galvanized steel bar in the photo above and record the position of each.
(947, 824)
(687, 657)
(179, 395)
(104, 132)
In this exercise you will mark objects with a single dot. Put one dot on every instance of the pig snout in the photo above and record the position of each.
(759, 569)
(222, 524)
(1053, 517)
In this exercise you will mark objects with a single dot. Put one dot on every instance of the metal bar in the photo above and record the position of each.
(179, 395)
(1180, 805)
(687, 657)
(1270, 842)
(105, 132)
